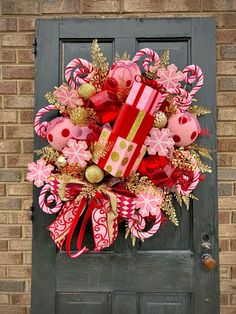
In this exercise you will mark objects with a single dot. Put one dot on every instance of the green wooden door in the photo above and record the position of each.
(164, 275)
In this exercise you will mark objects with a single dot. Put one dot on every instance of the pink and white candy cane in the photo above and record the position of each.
(137, 223)
(45, 202)
(195, 73)
(146, 62)
(75, 69)
(41, 127)
(183, 98)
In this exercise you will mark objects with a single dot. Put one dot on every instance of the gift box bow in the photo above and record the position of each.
(102, 208)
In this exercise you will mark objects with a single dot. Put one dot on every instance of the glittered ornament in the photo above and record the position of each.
(79, 116)
(160, 120)
(94, 174)
(184, 127)
(86, 91)
(124, 72)
(61, 162)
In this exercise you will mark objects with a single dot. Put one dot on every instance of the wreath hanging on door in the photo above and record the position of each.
(122, 148)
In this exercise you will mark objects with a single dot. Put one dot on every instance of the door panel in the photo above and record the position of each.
(162, 275)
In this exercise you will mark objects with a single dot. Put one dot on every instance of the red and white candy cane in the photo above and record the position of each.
(183, 98)
(75, 69)
(146, 62)
(192, 186)
(195, 73)
(41, 127)
(137, 223)
(46, 201)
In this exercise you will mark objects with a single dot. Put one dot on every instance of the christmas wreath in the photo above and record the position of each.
(121, 149)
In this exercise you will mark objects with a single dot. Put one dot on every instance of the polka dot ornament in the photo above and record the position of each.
(184, 127)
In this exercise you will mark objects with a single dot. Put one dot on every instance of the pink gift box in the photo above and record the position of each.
(144, 98)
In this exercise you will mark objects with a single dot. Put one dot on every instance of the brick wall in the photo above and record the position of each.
(16, 117)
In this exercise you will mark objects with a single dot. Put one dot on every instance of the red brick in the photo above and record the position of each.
(234, 271)
(28, 146)
(2, 161)
(225, 128)
(26, 24)
(228, 20)
(10, 258)
(10, 175)
(12, 309)
(224, 299)
(20, 189)
(22, 102)
(226, 67)
(27, 231)
(19, 161)
(218, 5)
(26, 116)
(7, 56)
(3, 245)
(226, 36)
(27, 258)
(4, 298)
(20, 299)
(20, 245)
(9, 146)
(10, 203)
(180, 5)
(227, 83)
(7, 116)
(8, 24)
(25, 56)
(227, 174)
(227, 202)
(225, 272)
(10, 231)
(226, 159)
(8, 87)
(224, 245)
(228, 52)
(20, 7)
(234, 217)
(3, 218)
(17, 40)
(22, 217)
(228, 258)
(18, 72)
(61, 6)
(226, 145)
(141, 6)
(227, 310)
(19, 131)
(2, 190)
(105, 6)
(227, 230)
(26, 203)
(26, 87)
(233, 244)
(224, 217)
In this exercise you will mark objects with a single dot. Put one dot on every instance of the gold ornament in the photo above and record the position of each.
(61, 162)
(160, 120)
(79, 116)
(86, 91)
(94, 174)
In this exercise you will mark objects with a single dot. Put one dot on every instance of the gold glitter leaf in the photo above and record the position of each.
(165, 59)
(48, 153)
(203, 151)
(124, 56)
(168, 208)
(198, 110)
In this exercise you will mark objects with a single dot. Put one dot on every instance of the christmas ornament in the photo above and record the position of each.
(94, 174)
(121, 149)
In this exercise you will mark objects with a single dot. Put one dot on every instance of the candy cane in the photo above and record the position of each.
(137, 223)
(74, 70)
(183, 98)
(196, 73)
(192, 186)
(146, 62)
(49, 200)
(41, 128)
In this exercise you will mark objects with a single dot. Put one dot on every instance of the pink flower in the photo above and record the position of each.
(169, 77)
(39, 172)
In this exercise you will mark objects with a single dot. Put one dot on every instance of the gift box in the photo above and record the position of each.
(133, 124)
(123, 156)
(144, 98)
(104, 103)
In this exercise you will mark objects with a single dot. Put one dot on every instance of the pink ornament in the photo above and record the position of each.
(148, 204)
(60, 131)
(124, 72)
(39, 172)
(170, 77)
(159, 141)
(76, 152)
(67, 97)
(184, 127)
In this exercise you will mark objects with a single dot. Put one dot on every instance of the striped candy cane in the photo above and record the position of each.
(195, 73)
(75, 69)
(146, 62)
(41, 128)
(183, 98)
(45, 202)
(137, 223)
(192, 186)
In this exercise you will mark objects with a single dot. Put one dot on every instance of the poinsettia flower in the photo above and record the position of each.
(148, 203)
(67, 96)
(170, 77)
(159, 141)
(39, 172)
(76, 152)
